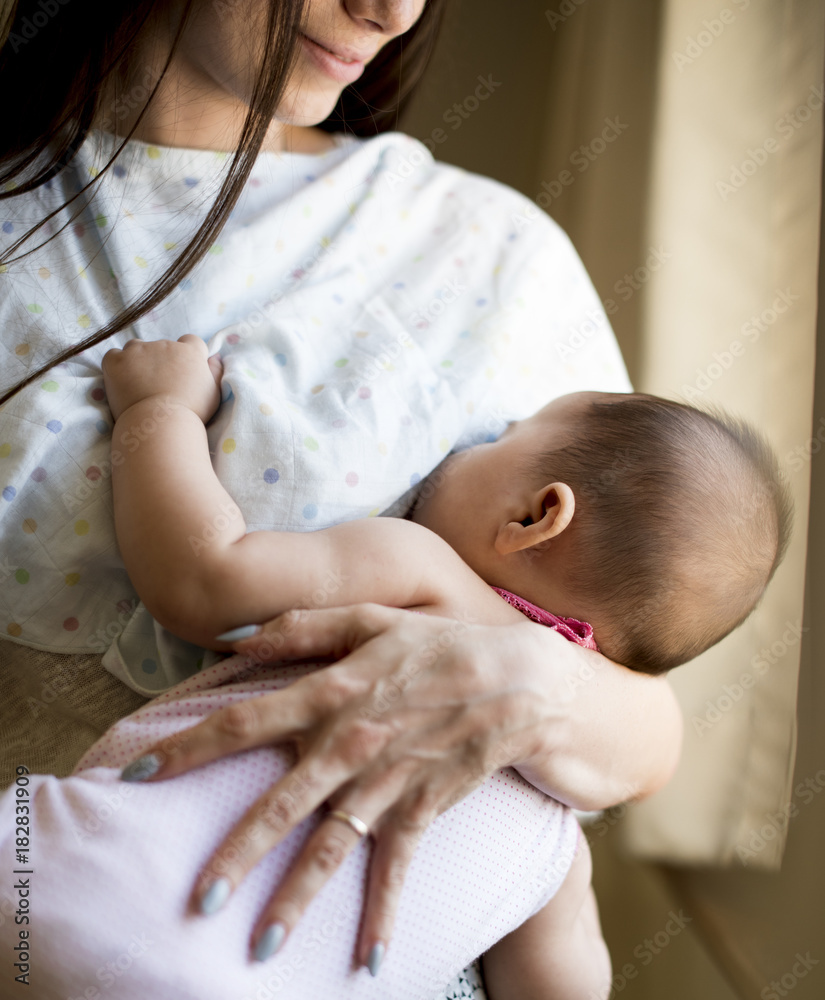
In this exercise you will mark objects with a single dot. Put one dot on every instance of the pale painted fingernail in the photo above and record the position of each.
(269, 942)
(236, 634)
(215, 896)
(142, 768)
(376, 957)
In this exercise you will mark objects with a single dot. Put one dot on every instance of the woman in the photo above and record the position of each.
(252, 77)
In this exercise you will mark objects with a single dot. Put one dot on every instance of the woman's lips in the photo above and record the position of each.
(334, 66)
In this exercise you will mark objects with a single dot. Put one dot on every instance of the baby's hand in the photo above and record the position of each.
(177, 370)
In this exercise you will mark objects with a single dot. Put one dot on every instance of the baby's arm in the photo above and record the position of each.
(559, 952)
(184, 541)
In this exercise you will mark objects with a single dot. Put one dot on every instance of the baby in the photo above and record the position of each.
(657, 524)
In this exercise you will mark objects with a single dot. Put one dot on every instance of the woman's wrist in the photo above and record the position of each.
(539, 663)
(605, 734)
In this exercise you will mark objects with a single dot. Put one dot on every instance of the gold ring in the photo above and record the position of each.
(356, 824)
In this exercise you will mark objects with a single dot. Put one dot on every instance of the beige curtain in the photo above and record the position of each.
(730, 320)
(697, 214)
(679, 143)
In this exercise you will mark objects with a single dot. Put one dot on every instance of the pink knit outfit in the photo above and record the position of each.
(114, 866)
(571, 628)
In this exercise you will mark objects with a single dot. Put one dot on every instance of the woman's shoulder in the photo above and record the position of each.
(407, 175)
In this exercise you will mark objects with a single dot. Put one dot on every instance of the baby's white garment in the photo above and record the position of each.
(115, 865)
(375, 310)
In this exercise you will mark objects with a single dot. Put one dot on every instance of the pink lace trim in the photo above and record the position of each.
(571, 628)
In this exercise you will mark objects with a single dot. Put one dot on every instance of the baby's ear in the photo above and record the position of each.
(551, 511)
(559, 505)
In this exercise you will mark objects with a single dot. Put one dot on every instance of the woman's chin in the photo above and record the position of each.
(308, 105)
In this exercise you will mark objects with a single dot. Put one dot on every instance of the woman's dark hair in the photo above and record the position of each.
(61, 59)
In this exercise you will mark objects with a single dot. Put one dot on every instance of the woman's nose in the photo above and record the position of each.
(390, 17)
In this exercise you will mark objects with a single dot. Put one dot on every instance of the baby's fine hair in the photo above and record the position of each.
(681, 518)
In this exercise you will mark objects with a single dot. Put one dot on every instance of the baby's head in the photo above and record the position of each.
(658, 523)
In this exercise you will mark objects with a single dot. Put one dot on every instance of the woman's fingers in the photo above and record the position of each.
(265, 823)
(391, 858)
(314, 780)
(394, 734)
(397, 836)
(330, 632)
(354, 811)
(324, 852)
(250, 723)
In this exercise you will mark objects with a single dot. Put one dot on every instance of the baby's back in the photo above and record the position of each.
(115, 865)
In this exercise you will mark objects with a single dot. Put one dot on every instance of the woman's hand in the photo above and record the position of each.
(178, 371)
(420, 712)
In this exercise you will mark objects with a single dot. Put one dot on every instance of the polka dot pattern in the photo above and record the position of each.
(351, 367)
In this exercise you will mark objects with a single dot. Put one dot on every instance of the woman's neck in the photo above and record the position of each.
(191, 111)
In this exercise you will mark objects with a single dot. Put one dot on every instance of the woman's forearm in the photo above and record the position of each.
(611, 734)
